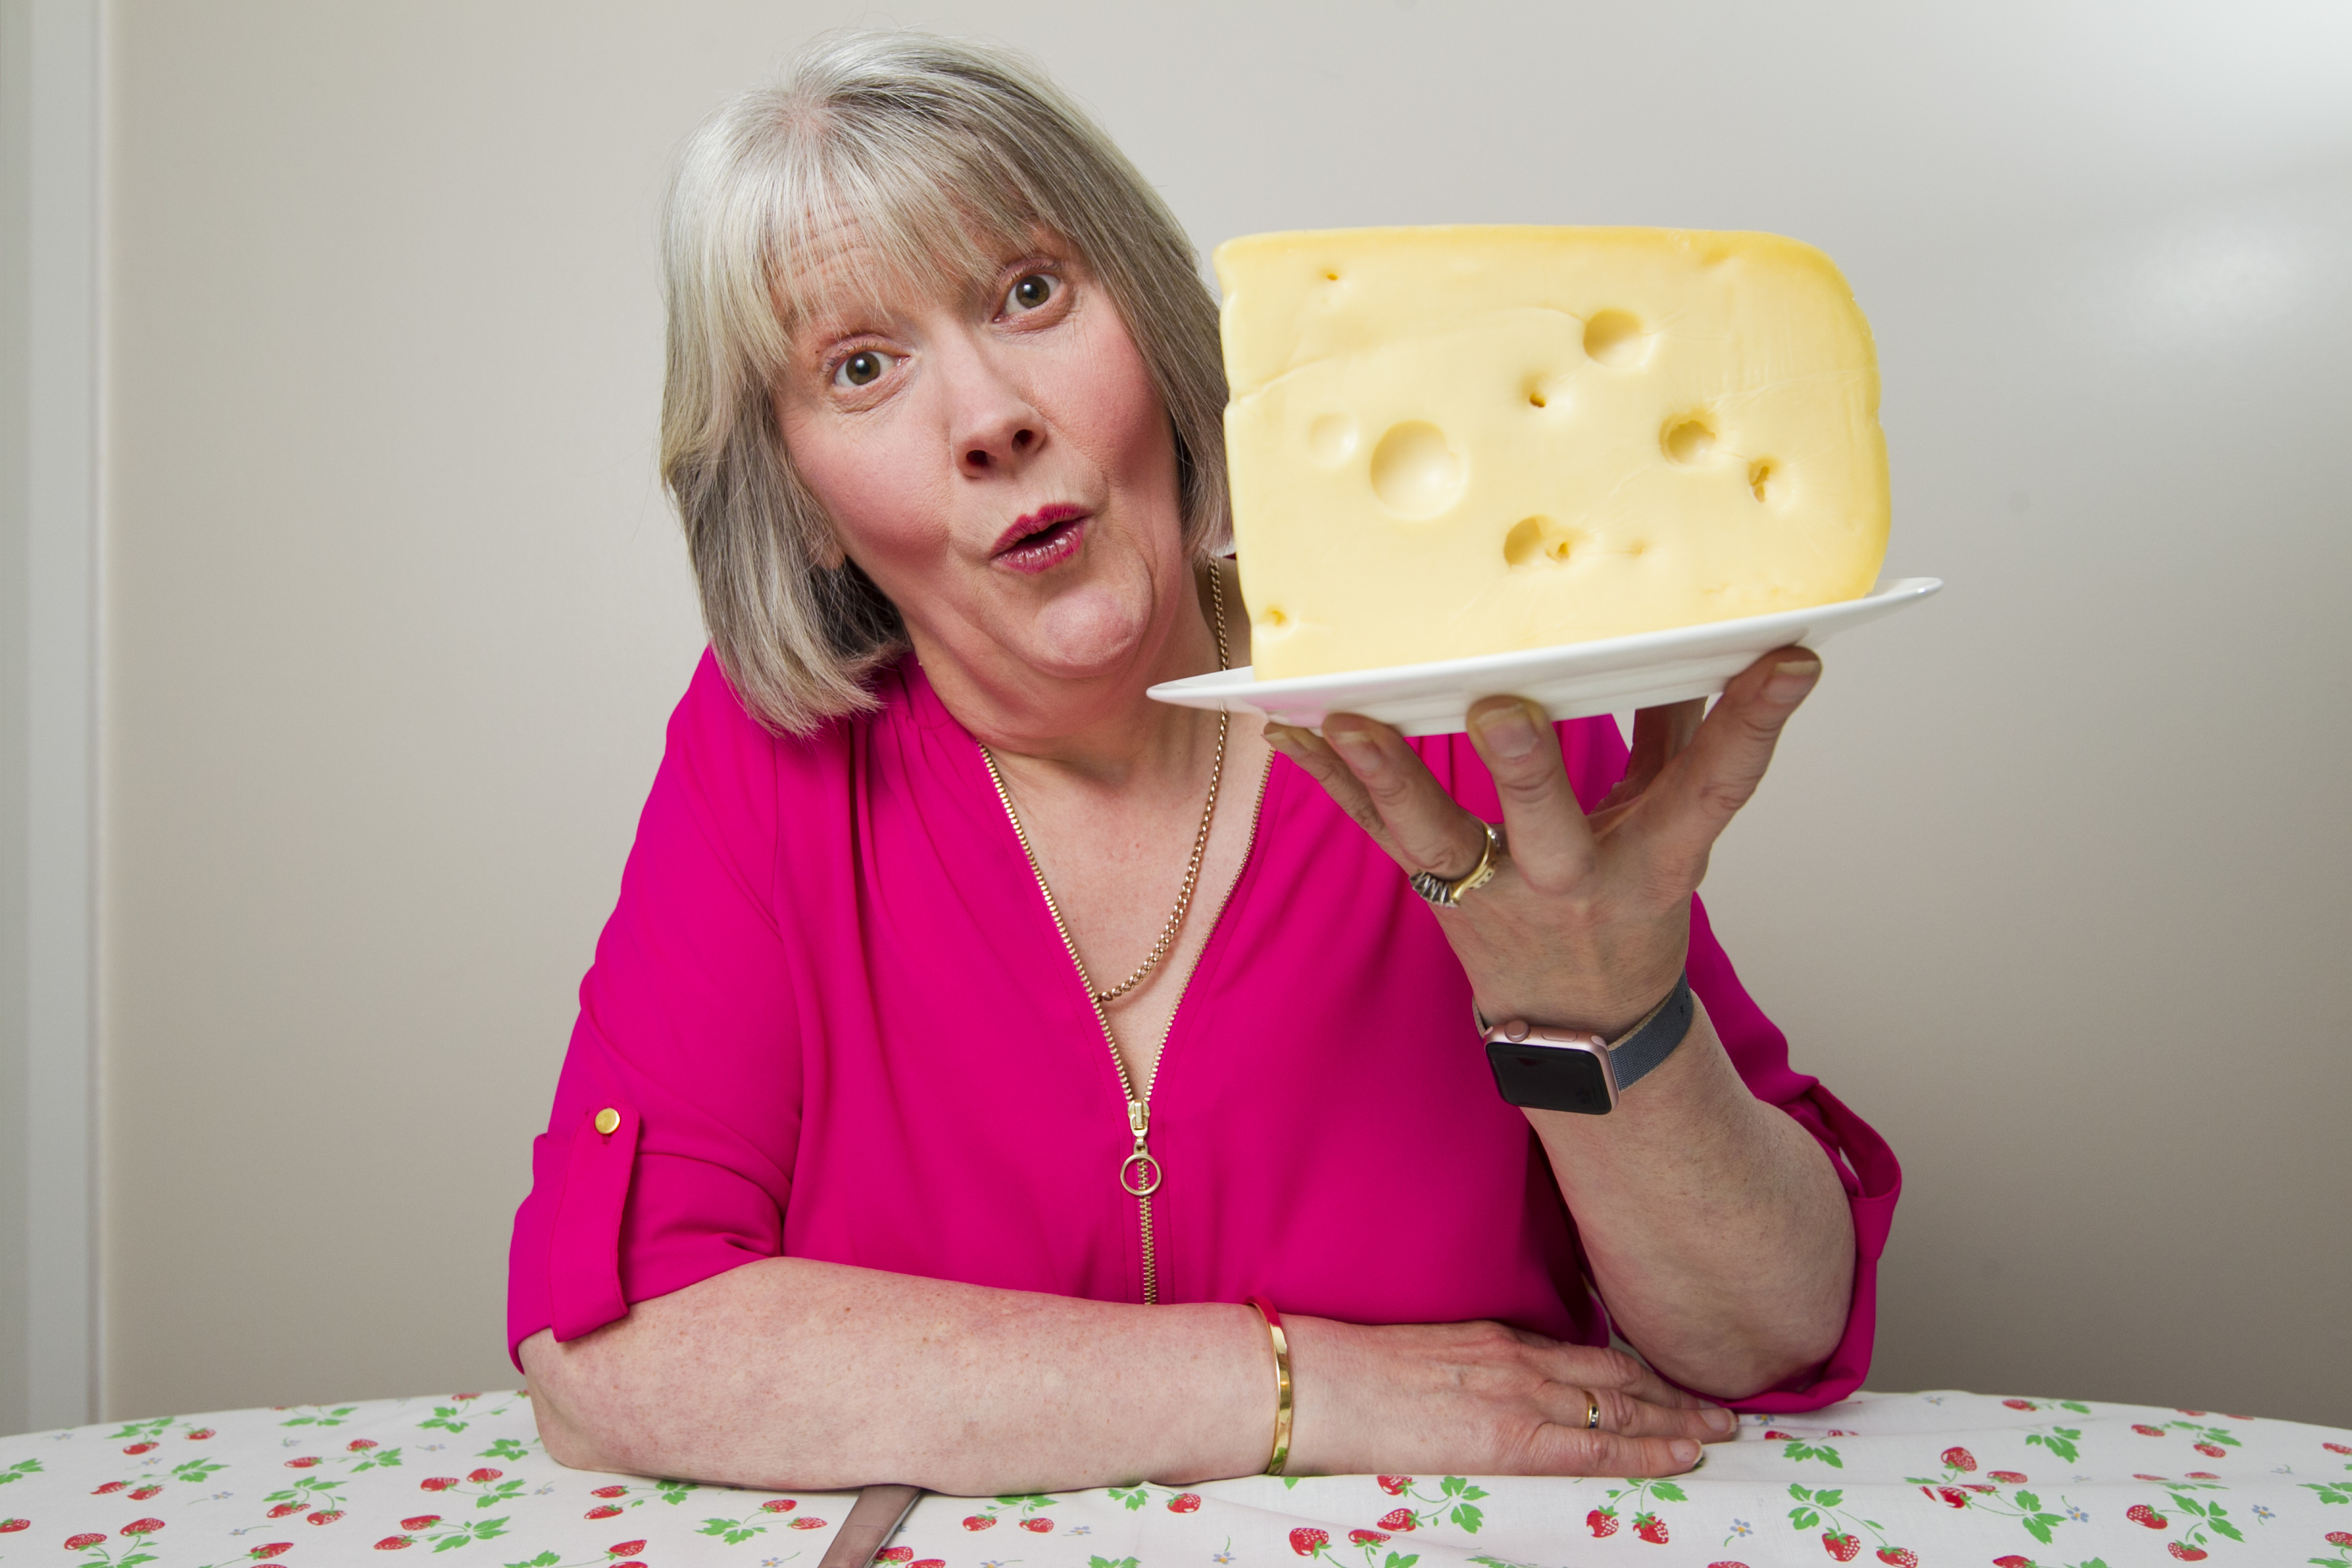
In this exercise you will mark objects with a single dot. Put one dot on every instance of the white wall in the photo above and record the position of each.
(2048, 881)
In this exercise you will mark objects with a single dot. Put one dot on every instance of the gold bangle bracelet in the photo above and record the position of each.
(1281, 1454)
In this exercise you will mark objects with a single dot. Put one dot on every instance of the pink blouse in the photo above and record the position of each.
(831, 1018)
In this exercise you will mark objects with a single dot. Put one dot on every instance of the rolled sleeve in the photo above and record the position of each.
(668, 1155)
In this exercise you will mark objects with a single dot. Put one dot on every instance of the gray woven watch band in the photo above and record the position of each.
(1633, 1055)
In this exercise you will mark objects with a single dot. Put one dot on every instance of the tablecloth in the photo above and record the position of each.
(1905, 1478)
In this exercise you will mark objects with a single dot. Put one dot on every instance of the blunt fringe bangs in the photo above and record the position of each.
(936, 152)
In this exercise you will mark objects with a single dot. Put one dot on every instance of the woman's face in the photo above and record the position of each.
(997, 461)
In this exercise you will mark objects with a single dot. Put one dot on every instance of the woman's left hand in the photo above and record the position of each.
(1587, 922)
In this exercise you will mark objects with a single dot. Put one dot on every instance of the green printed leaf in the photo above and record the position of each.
(192, 1470)
(544, 1560)
(2076, 1406)
(1131, 1498)
(1473, 1493)
(2029, 1502)
(19, 1470)
(1289, 1482)
(1467, 1516)
(1804, 1517)
(1452, 1486)
(504, 1448)
(2224, 1527)
(1671, 1492)
(674, 1491)
(1829, 1498)
(1800, 1493)
(1110, 1563)
(2040, 1526)
(1401, 1559)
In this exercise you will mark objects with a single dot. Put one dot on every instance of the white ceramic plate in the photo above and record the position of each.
(1609, 675)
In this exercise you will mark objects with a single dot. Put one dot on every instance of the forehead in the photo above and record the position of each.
(834, 264)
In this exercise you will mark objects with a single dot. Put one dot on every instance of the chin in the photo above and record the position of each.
(1087, 633)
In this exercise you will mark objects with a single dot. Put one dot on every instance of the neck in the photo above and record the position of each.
(1102, 729)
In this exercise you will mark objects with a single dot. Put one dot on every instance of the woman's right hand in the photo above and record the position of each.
(1483, 1399)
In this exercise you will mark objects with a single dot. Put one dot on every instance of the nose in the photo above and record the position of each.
(993, 427)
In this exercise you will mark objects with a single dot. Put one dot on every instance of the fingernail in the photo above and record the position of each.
(1721, 1420)
(1791, 679)
(1685, 1451)
(1507, 733)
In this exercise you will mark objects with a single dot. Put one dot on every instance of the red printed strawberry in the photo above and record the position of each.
(143, 1493)
(484, 1476)
(2145, 1430)
(1185, 1502)
(1901, 1556)
(609, 1491)
(2185, 1554)
(2334, 1537)
(1399, 1519)
(1953, 1496)
(1308, 1542)
(283, 1508)
(2200, 1414)
(2211, 1450)
(1602, 1522)
(1978, 1486)
(978, 1521)
(2013, 1561)
(201, 1433)
(142, 1527)
(306, 1461)
(140, 1448)
(108, 1486)
(1042, 1526)
(1772, 1437)
(1650, 1528)
(1726, 1566)
(625, 1548)
(918, 1563)
(438, 1483)
(1365, 1537)
(1959, 1459)
(2157, 1479)
(602, 1510)
(326, 1516)
(10, 1526)
(360, 1445)
(2331, 1447)
(76, 1542)
(628, 1565)
(807, 1521)
(1394, 1485)
(1845, 1548)
(2140, 1513)
(2193, 1475)
(394, 1543)
(780, 1505)
(895, 1555)
(421, 1521)
(2020, 1404)
(272, 1550)
(2008, 1478)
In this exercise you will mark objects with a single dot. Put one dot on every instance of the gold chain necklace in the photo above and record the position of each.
(1200, 840)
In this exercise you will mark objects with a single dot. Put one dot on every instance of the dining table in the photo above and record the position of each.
(1930, 1479)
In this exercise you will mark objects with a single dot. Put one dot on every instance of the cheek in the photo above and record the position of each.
(879, 497)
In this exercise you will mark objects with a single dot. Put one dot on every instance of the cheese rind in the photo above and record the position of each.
(1465, 440)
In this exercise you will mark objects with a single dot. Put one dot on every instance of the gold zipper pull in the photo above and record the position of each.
(1140, 1174)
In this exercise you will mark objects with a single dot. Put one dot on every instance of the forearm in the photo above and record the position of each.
(1715, 1228)
(797, 1374)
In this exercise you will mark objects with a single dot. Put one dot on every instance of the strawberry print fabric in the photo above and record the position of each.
(1925, 1480)
(832, 1018)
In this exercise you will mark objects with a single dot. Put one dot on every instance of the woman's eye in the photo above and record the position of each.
(862, 369)
(1030, 292)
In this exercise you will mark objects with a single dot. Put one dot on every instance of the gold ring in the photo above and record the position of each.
(1591, 1412)
(1446, 892)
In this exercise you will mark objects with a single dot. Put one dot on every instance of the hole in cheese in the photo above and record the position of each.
(1276, 618)
(1414, 473)
(1331, 440)
(1539, 541)
(1614, 338)
(1764, 478)
(1690, 439)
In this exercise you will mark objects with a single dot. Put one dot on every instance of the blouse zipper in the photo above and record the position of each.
(1139, 1175)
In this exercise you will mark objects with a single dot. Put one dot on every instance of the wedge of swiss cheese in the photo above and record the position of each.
(1469, 440)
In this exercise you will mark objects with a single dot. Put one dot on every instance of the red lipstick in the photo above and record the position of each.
(1042, 539)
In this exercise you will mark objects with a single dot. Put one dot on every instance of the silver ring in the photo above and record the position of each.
(1447, 892)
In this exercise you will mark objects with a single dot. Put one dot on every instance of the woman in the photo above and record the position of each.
(975, 1036)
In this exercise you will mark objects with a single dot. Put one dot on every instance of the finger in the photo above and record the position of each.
(1629, 1417)
(1572, 1451)
(1550, 844)
(1597, 1366)
(1427, 831)
(1321, 763)
(1701, 790)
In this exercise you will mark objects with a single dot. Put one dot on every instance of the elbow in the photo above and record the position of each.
(564, 1407)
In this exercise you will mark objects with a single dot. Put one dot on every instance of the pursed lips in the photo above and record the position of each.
(1034, 534)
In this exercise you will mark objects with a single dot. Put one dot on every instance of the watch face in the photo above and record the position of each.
(1549, 1077)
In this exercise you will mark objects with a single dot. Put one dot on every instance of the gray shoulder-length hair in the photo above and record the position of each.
(943, 154)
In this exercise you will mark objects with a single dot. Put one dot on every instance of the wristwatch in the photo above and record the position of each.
(1549, 1069)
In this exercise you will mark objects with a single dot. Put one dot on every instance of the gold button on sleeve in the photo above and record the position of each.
(607, 1119)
